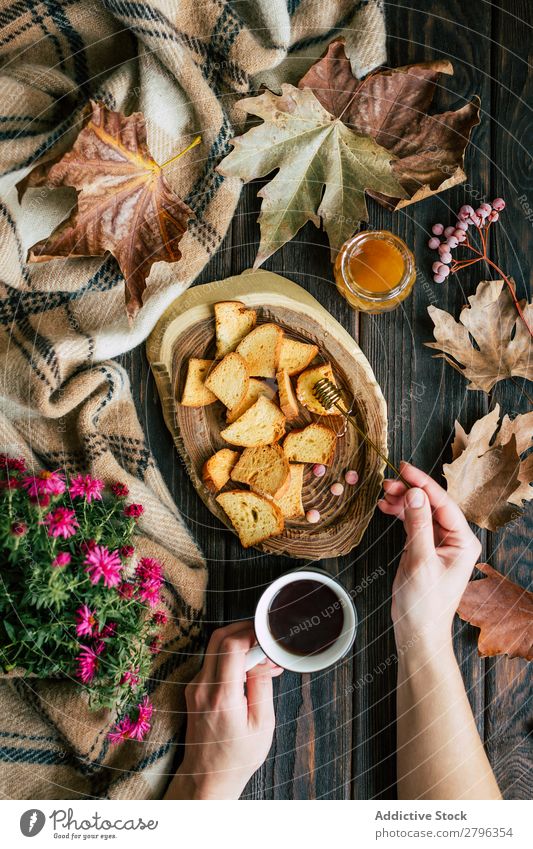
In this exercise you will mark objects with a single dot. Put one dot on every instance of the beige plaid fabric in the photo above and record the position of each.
(65, 402)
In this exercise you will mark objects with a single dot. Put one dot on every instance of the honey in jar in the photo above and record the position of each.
(375, 271)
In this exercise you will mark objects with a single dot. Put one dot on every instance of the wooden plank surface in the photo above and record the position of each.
(335, 733)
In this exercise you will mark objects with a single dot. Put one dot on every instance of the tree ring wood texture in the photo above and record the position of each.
(187, 329)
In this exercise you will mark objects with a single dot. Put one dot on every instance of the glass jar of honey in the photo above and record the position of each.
(375, 271)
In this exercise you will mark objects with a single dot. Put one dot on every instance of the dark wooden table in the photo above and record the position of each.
(335, 734)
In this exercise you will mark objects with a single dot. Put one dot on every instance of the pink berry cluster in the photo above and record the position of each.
(455, 235)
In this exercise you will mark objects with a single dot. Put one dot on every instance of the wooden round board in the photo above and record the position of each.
(187, 329)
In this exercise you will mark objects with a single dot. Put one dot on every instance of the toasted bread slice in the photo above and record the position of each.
(216, 471)
(229, 380)
(313, 444)
(287, 398)
(232, 321)
(254, 517)
(262, 424)
(295, 356)
(261, 350)
(255, 389)
(305, 385)
(195, 392)
(265, 469)
(290, 502)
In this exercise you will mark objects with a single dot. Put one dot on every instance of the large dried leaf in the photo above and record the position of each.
(392, 106)
(125, 205)
(489, 477)
(504, 344)
(324, 168)
(504, 613)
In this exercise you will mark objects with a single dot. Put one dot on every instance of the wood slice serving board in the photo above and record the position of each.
(187, 329)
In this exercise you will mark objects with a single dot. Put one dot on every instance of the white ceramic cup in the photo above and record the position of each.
(269, 647)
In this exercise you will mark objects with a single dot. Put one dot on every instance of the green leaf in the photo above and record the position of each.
(324, 168)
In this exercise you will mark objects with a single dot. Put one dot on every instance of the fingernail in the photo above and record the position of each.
(415, 498)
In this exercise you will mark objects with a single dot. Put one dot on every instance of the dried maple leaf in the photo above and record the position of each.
(504, 345)
(391, 106)
(487, 477)
(324, 168)
(125, 205)
(504, 613)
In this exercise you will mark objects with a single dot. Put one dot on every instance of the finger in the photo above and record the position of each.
(445, 510)
(231, 665)
(394, 499)
(418, 524)
(393, 487)
(259, 693)
(209, 668)
(391, 509)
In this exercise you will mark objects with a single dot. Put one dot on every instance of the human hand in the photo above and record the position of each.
(439, 555)
(229, 732)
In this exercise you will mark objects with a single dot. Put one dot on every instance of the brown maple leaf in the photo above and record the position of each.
(487, 477)
(504, 344)
(504, 613)
(391, 106)
(125, 205)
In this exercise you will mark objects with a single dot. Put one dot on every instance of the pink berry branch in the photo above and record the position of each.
(458, 236)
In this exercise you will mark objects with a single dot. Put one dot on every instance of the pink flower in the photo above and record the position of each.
(141, 726)
(87, 664)
(44, 483)
(102, 563)
(127, 551)
(18, 529)
(87, 621)
(155, 646)
(149, 571)
(61, 522)
(120, 489)
(17, 464)
(150, 575)
(121, 731)
(108, 630)
(41, 500)
(133, 511)
(160, 617)
(126, 590)
(131, 677)
(63, 558)
(10, 483)
(86, 487)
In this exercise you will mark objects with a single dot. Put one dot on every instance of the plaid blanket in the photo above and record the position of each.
(65, 402)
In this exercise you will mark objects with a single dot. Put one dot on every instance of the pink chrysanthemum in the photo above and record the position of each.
(10, 483)
(121, 731)
(160, 617)
(87, 664)
(126, 590)
(155, 646)
(120, 489)
(87, 623)
(133, 511)
(131, 677)
(61, 559)
(127, 551)
(84, 486)
(44, 483)
(102, 563)
(61, 522)
(18, 529)
(150, 575)
(141, 726)
(16, 464)
(108, 630)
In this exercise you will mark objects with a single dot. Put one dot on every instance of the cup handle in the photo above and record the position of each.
(254, 656)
